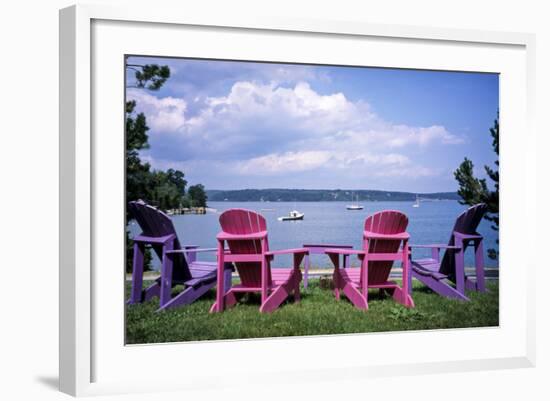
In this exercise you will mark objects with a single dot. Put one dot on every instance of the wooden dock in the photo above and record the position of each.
(186, 210)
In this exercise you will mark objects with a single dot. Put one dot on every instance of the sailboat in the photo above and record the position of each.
(354, 206)
(417, 203)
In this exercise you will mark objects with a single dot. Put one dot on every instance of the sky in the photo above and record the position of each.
(236, 125)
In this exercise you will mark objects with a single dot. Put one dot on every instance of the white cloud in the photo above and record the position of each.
(284, 163)
(163, 115)
(361, 163)
(326, 119)
(269, 129)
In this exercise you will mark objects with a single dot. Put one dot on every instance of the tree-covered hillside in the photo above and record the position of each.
(321, 195)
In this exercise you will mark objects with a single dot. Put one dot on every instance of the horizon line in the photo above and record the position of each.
(324, 189)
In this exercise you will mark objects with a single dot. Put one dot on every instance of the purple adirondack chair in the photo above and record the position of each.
(384, 241)
(441, 275)
(245, 233)
(179, 263)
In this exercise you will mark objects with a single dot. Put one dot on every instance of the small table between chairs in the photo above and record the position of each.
(318, 249)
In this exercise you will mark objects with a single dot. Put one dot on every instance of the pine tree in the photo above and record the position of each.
(473, 190)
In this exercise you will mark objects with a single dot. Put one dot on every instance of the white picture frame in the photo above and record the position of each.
(90, 355)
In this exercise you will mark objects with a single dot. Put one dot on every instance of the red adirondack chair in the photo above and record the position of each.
(179, 263)
(384, 241)
(446, 276)
(245, 233)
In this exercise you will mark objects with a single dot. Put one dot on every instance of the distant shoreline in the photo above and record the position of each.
(323, 195)
(336, 201)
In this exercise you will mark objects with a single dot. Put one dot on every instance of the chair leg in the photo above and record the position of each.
(229, 300)
(264, 275)
(480, 273)
(365, 278)
(440, 287)
(152, 291)
(227, 279)
(297, 286)
(276, 298)
(166, 274)
(220, 288)
(306, 270)
(459, 272)
(186, 297)
(355, 296)
(336, 279)
(137, 274)
(403, 295)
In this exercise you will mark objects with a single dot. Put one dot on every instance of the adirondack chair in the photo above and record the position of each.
(446, 276)
(245, 234)
(179, 263)
(384, 241)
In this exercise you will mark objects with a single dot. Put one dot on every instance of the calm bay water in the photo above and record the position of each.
(328, 222)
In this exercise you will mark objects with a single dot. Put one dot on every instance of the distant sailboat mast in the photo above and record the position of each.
(354, 206)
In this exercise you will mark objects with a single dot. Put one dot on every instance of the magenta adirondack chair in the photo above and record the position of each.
(447, 277)
(245, 233)
(179, 263)
(384, 240)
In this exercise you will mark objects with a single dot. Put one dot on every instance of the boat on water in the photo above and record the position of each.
(417, 203)
(293, 215)
(354, 206)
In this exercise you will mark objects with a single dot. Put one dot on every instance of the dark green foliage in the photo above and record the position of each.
(137, 173)
(163, 189)
(197, 195)
(473, 190)
(150, 76)
(317, 314)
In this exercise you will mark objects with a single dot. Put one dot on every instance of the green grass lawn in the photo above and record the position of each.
(317, 313)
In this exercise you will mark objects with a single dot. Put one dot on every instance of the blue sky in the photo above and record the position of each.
(234, 125)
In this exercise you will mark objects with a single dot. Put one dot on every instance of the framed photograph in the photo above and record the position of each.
(235, 191)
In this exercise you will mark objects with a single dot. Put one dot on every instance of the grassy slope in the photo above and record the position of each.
(317, 313)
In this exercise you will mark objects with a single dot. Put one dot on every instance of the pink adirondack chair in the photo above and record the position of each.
(384, 241)
(245, 233)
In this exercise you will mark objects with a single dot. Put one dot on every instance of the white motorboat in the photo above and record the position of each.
(293, 215)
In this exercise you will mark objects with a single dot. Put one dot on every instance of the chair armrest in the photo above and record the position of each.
(435, 249)
(344, 251)
(398, 236)
(192, 250)
(467, 236)
(286, 251)
(153, 240)
(223, 236)
(327, 246)
(436, 246)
